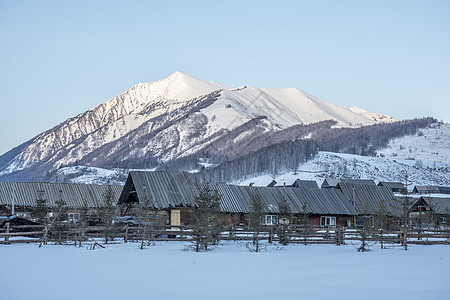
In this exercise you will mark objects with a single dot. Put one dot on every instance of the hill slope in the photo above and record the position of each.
(155, 123)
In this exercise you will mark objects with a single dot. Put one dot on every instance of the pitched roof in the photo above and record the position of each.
(176, 189)
(330, 182)
(392, 185)
(359, 181)
(312, 184)
(426, 189)
(236, 199)
(333, 182)
(164, 189)
(367, 198)
(439, 205)
(26, 193)
(444, 189)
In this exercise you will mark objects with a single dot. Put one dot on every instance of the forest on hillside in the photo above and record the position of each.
(292, 146)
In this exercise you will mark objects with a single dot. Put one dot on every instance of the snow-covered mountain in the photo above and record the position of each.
(373, 116)
(154, 123)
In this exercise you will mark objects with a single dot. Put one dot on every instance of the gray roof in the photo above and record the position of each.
(330, 182)
(312, 184)
(392, 185)
(163, 189)
(368, 198)
(236, 199)
(176, 189)
(444, 189)
(426, 189)
(333, 182)
(439, 205)
(26, 193)
(359, 181)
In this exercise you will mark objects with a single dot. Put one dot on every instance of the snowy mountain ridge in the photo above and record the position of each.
(166, 119)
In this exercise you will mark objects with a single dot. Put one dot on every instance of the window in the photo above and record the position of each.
(74, 217)
(362, 221)
(327, 221)
(270, 220)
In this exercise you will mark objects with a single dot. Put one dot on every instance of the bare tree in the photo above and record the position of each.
(381, 221)
(406, 204)
(304, 222)
(107, 213)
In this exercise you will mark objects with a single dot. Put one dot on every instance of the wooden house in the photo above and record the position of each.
(170, 193)
(174, 194)
(23, 195)
(395, 187)
(333, 182)
(368, 199)
(310, 184)
(426, 189)
(444, 189)
(430, 212)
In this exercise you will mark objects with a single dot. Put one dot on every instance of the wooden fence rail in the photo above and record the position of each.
(310, 235)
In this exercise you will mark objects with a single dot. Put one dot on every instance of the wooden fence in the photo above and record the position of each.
(297, 234)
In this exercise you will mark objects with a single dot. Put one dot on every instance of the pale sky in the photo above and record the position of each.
(59, 58)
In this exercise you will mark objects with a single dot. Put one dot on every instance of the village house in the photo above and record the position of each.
(311, 184)
(395, 187)
(430, 212)
(333, 182)
(426, 189)
(369, 199)
(173, 194)
(19, 198)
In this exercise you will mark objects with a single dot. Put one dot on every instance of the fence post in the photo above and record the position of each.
(125, 238)
(338, 236)
(7, 233)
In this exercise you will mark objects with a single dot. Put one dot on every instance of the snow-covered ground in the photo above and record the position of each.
(428, 145)
(340, 165)
(165, 271)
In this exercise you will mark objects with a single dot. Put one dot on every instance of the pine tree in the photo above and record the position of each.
(256, 215)
(285, 217)
(206, 218)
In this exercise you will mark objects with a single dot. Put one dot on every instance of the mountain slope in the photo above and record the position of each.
(154, 123)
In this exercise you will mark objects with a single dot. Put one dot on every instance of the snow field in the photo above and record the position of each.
(123, 271)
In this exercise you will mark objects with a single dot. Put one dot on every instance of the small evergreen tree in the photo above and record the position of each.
(285, 217)
(206, 218)
(256, 215)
